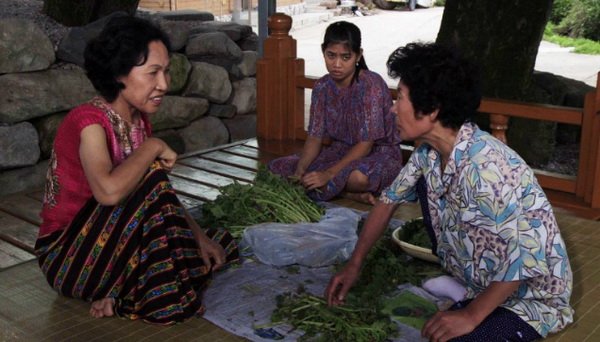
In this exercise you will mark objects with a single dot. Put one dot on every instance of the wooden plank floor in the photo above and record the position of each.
(31, 311)
(196, 178)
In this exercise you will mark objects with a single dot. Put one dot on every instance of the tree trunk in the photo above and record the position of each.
(81, 12)
(503, 36)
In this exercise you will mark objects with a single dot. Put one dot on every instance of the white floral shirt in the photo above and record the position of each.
(493, 222)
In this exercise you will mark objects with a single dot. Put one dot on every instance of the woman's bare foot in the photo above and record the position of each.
(103, 308)
(362, 197)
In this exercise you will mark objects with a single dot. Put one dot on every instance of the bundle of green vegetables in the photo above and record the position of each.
(322, 323)
(270, 199)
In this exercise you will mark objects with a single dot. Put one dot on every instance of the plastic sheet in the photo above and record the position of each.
(323, 243)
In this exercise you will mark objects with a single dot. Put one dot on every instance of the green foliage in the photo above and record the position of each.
(270, 199)
(439, 3)
(415, 233)
(340, 323)
(582, 21)
(580, 45)
(362, 317)
(384, 269)
(560, 9)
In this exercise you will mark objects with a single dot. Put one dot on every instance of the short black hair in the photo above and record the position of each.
(438, 77)
(122, 45)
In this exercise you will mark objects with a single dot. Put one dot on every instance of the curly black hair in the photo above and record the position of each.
(122, 45)
(438, 77)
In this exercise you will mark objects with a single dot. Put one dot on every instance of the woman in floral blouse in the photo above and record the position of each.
(495, 231)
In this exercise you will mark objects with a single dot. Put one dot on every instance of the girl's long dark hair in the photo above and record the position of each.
(343, 32)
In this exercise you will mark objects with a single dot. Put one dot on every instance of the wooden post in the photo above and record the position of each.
(274, 77)
(588, 175)
(595, 158)
(499, 125)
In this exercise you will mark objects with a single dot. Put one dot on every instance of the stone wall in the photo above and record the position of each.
(211, 99)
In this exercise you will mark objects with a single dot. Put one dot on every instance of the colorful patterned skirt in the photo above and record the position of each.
(142, 253)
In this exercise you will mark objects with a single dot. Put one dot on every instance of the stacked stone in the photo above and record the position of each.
(211, 100)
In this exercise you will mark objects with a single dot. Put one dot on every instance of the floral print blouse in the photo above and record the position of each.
(493, 222)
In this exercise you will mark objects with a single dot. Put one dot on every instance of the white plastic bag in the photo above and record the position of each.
(323, 243)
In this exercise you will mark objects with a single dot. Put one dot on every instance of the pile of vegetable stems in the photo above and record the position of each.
(270, 199)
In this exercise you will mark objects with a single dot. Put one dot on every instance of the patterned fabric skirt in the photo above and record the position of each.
(381, 167)
(142, 253)
(501, 325)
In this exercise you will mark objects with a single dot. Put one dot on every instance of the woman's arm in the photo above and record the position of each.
(310, 151)
(446, 325)
(211, 252)
(357, 151)
(376, 223)
(109, 186)
(317, 179)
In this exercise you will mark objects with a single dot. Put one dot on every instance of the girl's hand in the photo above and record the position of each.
(316, 179)
(446, 325)
(298, 174)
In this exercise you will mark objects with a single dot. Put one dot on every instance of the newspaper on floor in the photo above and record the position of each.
(242, 299)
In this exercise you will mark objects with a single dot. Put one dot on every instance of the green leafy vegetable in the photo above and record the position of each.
(410, 309)
(364, 317)
(340, 323)
(384, 269)
(270, 199)
(415, 233)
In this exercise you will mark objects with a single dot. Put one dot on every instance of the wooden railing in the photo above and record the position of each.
(281, 83)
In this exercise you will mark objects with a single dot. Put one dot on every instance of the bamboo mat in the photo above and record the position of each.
(31, 311)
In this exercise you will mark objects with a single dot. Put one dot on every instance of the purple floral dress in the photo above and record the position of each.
(348, 116)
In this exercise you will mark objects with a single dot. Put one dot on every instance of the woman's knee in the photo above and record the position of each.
(357, 182)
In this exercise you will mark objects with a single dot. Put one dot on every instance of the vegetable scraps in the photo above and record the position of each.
(410, 309)
(366, 314)
(270, 199)
(384, 268)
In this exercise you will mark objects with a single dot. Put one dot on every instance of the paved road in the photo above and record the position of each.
(387, 30)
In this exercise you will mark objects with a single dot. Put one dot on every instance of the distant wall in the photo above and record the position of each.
(216, 7)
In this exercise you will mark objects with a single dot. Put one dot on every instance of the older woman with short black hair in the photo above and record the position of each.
(492, 225)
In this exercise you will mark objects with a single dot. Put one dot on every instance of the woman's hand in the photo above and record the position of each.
(165, 155)
(212, 253)
(445, 325)
(340, 284)
(316, 179)
(449, 324)
(167, 158)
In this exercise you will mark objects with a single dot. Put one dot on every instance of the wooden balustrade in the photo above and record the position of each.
(281, 83)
